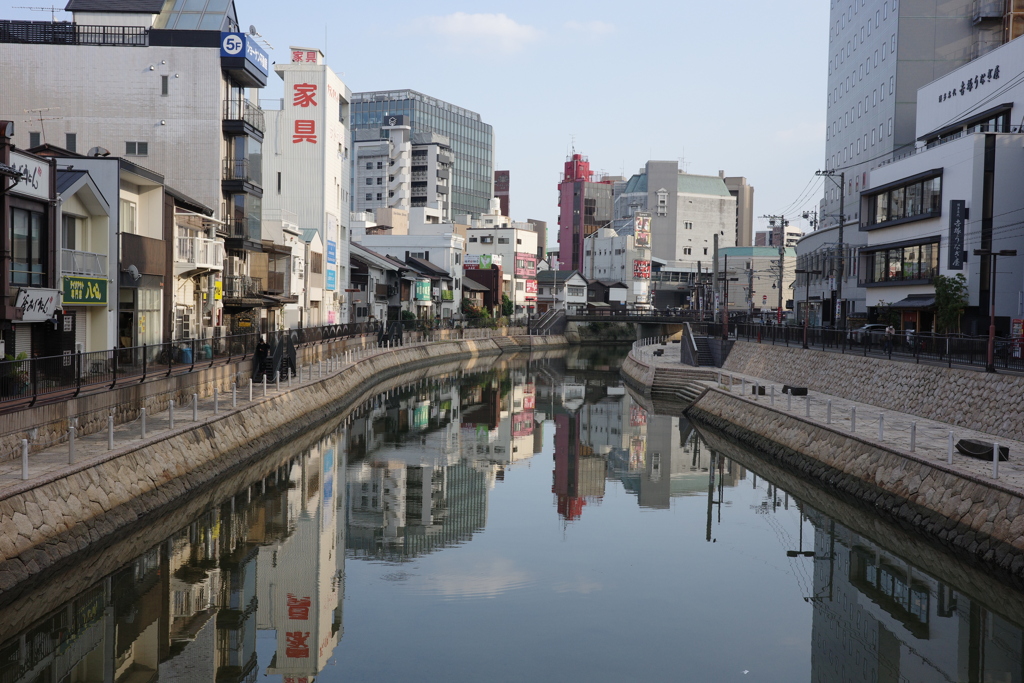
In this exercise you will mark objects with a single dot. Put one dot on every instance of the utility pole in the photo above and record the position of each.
(811, 216)
(750, 291)
(841, 323)
(714, 277)
(782, 256)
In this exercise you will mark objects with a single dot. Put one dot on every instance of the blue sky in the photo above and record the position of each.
(736, 86)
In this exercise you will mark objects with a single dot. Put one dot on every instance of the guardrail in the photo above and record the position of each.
(951, 349)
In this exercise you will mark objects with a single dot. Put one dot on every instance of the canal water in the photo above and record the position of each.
(529, 519)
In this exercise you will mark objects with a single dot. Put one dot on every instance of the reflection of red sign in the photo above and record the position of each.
(522, 423)
(642, 270)
(296, 646)
(531, 290)
(637, 416)
(298, 608)
(529, 402)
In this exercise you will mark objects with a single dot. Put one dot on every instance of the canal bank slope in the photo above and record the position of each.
(47, 519)
(957, 505)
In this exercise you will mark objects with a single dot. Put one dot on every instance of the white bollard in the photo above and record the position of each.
(913, 437)
(743, 387)
(828, 412)
(320, 369)
(789, 400)
(264, 385)
(995, 460)
(170, 414)
(195, 407)
(277, 381)
(71, 445)
(853, 419)
(807, 405)
(216, 402)
(881, 426)
(773, 394)
(110, 432)
(250, 389)
(24, 459)
(289, 378)
(142, 419)
(949, 454)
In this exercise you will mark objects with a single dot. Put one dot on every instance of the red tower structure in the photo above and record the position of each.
(583, 206)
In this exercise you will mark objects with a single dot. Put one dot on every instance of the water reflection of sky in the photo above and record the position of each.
(531, 520)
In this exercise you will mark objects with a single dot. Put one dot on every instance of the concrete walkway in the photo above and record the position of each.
(931, 439)
(53, 462)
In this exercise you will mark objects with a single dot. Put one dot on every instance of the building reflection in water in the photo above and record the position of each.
(410, 473)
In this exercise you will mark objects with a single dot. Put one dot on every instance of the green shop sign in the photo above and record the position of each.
(84, 291)
(423, 290)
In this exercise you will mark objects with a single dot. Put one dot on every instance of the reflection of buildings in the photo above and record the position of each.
(431, 454)
(189, 609)
(877, 618)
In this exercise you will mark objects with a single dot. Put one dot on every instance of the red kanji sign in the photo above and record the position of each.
(298, 608)
(311, 56)
(297, 56)
(305, 131)
(304, 94)
(296, 646)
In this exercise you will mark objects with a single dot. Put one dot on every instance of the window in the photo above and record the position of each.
(279, 182)
(705, 251)
(369, 165)
(487, 239)
(519, 285)
(502, 240)
(688, 225)
(901, 264)
(136, 149)
(34, 139)
(69, 231)
(164, 85)
(316, 262)
(687, 251)
(577, 291)
(380, 196)
(369, 181)
(890, 125)
(129, 214)
(71, 142)
(380, 180)
(919, 198)
(369, 196)
(380, 164)
(472, 239)
(27, 248)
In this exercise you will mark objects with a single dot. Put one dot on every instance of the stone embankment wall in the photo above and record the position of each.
(993, 404)
(977, 517)
(45, 520)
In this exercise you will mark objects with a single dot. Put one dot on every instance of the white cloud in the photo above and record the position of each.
(488, 30)
(481, 579)
(595, 29)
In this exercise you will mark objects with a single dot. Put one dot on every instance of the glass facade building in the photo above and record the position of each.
(472, 140)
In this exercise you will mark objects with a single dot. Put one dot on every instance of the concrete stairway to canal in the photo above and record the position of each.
(683, 383)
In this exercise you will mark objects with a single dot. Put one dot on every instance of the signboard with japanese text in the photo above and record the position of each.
(526, 264)
(642, 230)
(84, 291)
(306, 55)
(423, 290)
(531, 290)
(35, 176)
(331, 279)
(36, 305)
(332, 251)
(957, 221)
(641, 269)
(482, 261)
(244, 45)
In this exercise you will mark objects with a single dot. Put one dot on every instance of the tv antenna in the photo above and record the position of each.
(51, 9)
(40, 116)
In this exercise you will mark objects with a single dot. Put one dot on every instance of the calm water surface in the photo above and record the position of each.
(529, 520)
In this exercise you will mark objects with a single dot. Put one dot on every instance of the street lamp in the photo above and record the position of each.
(807, 296)
(990, 366)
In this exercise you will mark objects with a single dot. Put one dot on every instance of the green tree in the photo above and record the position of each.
(507, 309)
(950, 302)
(888, 315)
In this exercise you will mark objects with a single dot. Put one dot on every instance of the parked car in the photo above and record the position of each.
(864, 334)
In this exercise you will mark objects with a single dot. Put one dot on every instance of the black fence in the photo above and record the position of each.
(950, 349)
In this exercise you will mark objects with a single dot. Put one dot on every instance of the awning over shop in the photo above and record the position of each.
(915, 302)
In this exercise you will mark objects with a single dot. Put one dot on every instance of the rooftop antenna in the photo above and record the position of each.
(51, 9)
(258, 37)
(39, 115)
(683, 163)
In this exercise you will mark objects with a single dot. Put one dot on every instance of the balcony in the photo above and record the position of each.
(68, 33)
(244, 234)
(242, 117)
(242, 291)
(381, 290)
(241, 176)
(196, 255)
(83, 263)
(275, 282)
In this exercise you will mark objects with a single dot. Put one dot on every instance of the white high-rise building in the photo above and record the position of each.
(306, 164)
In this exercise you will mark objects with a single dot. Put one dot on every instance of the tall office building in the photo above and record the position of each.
(584, 206)
(880, 53)
(501, 181)
(471, 140)
(744, 194)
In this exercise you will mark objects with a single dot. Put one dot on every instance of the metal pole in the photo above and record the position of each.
(142, 417)
(195, 407)
(995, 460)
(170, 414)
(789, 399)
(881, 426)
(110, 432)
(828, 412)
(913, 437)
(773, 394)
(277, 381)
(853, 419)
(71, 445)
(24, 459)
(250, 389)
(949, 455)
(807, 405)
(234, 395)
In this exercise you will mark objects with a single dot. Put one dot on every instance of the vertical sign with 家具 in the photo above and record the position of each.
(957, 221)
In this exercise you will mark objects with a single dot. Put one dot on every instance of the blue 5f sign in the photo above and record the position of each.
(242, 45)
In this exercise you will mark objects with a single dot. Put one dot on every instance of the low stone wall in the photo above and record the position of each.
(638, 374)
(977, 517)
(990, 403)
(49, 518)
